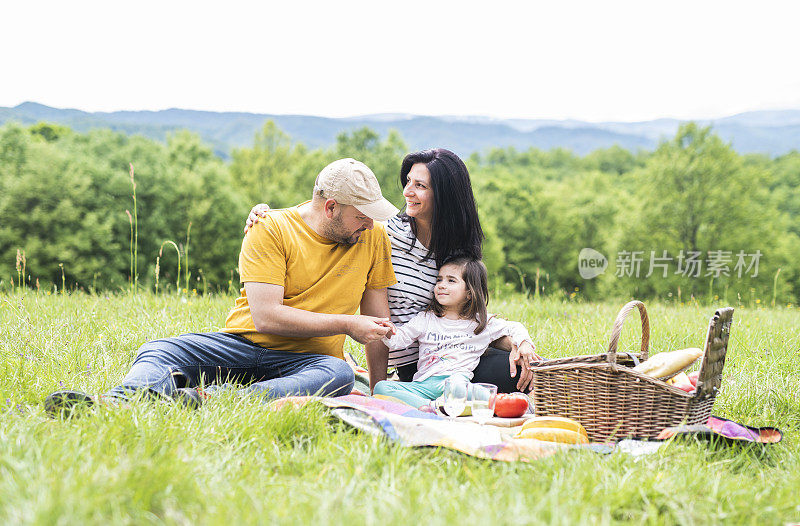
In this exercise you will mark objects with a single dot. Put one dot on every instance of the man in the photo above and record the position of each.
(305, 270)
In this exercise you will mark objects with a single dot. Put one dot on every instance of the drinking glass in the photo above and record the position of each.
(455, 395)
(482, 398)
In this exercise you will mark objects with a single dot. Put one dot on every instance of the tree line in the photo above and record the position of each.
(693, 218)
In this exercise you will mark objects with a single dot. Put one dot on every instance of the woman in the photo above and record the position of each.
(440, 221)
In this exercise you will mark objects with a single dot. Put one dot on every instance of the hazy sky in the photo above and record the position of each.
(592, 60)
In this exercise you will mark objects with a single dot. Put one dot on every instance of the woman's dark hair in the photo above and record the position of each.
(473, 272)
(455, 227)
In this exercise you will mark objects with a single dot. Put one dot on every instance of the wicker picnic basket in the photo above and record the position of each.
(613, 401)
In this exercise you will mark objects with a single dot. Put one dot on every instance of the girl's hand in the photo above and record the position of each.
(391, 326)
(260, 210)
(528, 350)
(522, 357)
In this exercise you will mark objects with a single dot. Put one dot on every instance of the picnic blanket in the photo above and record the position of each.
(726, 430)
(410, 427)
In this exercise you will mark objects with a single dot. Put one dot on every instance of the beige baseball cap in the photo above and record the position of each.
(351, 182)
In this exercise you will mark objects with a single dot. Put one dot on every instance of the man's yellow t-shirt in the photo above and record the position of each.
(317, 274)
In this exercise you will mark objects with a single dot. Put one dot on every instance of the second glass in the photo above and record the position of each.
(482, 399)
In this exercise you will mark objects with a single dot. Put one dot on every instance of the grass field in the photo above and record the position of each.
(235, 461)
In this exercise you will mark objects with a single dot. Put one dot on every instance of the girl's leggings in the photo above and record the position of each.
(416, 393)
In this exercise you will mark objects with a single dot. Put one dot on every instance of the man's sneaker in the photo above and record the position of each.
(189, 397)
(63, 402)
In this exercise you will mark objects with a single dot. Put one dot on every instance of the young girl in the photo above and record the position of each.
(452, 333)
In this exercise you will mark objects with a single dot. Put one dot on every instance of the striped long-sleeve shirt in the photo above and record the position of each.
(415, 281)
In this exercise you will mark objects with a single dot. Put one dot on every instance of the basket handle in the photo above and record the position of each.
(716, 346)
(617, 330)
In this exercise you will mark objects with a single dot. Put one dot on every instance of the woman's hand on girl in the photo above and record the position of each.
(522, 357)
(260, 210)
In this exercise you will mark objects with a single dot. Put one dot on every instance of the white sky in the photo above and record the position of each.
(591, 60)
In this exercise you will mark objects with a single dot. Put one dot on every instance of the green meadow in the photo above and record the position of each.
(236, 461)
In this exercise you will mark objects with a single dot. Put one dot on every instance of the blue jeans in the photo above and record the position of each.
(190, 360)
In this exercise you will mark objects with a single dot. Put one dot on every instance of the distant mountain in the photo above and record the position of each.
(769, 132)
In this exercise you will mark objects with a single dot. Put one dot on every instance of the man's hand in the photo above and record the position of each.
(522, 356)
(367, 329)
(260, 210)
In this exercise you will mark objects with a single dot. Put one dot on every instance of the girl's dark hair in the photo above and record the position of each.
(473, 272)
(455, 227)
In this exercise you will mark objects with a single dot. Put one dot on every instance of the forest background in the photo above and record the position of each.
(692, 219)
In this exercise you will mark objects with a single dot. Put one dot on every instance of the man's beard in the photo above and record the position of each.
(335, 231)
